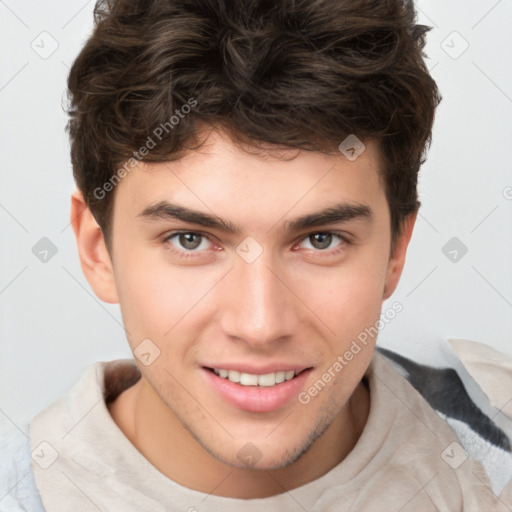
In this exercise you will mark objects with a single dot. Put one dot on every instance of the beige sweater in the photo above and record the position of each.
(406, 460)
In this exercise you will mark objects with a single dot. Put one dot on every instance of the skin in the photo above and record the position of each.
(297, 302)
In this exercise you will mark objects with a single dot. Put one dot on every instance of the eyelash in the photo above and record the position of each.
(186, 254)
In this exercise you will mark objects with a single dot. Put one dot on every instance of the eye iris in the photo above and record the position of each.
(185, 240)
(324, 239)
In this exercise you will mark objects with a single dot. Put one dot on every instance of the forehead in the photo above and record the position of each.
(247, 184)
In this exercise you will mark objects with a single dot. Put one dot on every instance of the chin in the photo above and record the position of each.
(257, 455)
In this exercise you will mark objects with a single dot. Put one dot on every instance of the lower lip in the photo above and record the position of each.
(257, 398)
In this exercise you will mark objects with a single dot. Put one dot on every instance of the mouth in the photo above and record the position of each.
(256, 392)
(251, 379)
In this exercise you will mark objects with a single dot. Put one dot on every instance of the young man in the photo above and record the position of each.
(246, 179)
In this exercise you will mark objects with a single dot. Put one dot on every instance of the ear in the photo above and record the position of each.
(94, 257)
(397, 260)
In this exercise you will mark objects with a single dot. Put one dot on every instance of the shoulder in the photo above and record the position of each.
(18, 490)
(478, 437)
(18, 487)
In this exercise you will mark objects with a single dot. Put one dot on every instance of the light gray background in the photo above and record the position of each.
(52, 325)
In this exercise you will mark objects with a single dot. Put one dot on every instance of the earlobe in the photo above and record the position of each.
(94, 256)
(397, 260)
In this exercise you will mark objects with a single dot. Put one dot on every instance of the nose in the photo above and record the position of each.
(258, 306)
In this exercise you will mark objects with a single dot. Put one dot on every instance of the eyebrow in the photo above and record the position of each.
(341, 212)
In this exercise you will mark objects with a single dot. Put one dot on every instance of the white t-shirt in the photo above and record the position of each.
(406, 460)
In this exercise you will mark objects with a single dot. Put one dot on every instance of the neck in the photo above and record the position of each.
(161, 438)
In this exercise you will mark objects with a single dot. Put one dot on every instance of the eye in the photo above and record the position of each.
(192, 243)
(187, 242)
(323, 240)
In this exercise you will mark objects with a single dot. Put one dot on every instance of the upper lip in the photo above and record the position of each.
(259, 370)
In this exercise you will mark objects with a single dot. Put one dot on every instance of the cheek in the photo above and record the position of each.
(153, 297)
(347, 298)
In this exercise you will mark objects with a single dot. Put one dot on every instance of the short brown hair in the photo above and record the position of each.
(301, 74)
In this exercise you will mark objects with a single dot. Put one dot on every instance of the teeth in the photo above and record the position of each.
(233, 375)
(269, 379)
(249, 379)
(280, 377)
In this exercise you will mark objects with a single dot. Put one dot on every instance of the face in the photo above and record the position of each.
(259, 287)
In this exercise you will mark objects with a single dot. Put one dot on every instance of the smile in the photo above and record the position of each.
(250, 379)
(251, 392)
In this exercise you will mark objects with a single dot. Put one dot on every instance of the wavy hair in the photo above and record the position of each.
(300, 74)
